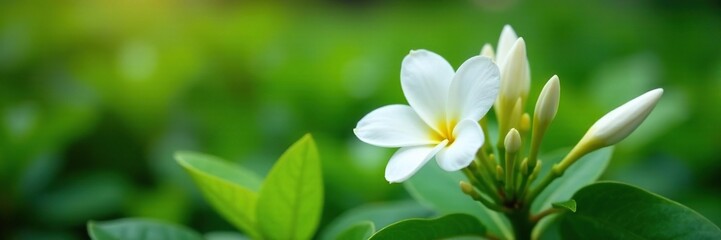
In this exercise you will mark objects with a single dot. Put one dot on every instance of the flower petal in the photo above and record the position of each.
(505, 42)
(459, 154)
(425, 78)
(473, 90)
(408, 160)
(394, 126)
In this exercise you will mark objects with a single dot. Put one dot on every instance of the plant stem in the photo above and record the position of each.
(510, 174)
(521, 223)
(482, 185)
(544, 213)
(544, 183)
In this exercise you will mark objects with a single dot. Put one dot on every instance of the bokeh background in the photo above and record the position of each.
(95, 96)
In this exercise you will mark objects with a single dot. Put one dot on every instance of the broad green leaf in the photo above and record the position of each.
(291, 198)
(230, 189)
(585, 171)
(359, 231)
(569, 205)
(439, 190)
(452, 225)
(225, 236)
(139, 229)
(381, 214)
(609, 210)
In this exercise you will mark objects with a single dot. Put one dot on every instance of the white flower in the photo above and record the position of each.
(442, 119)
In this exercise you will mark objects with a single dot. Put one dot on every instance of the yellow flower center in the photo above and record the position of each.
(444, 132)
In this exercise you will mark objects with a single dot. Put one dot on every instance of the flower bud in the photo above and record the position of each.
(499, 173)
(547, 104)
(515, 83)
(525, 124)
(619, 123)
(505, 42)
(487, 51)
(513, 141)
(468, 189)
(524, 167)
(612, 127)
(546, 108)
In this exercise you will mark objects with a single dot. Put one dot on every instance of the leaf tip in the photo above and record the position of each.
(307, 138)
(567, 205)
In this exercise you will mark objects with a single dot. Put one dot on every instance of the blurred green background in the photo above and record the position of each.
(95, 96)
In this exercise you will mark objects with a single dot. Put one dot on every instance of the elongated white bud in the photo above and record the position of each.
(515, 83)
(505, 42)
(487, 51)
(622, 121)
(547, 104)
(546, 108)
(514, 73)
(612, 127)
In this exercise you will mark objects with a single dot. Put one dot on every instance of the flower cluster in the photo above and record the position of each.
(446, 118)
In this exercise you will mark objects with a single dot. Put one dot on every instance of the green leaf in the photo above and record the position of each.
(139, 229)
(569, 205)
(291, 198)
(439, 190)
(381, 214)
(359, 231)
(230, 189)
(585, 171)
(452, 225)
(222, 235)
(609, 210)
(82, 197)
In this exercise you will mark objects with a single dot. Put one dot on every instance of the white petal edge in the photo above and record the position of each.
(394, 126)
(425, 79)
(459, 154)
(505, 42)
(473, 90)
(408, 160)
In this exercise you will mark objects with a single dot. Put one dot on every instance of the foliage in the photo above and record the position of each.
(453, 225)
(139, 229)
(609, 210)
(288, 203)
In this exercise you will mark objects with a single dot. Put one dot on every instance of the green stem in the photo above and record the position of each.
(481, 185)
(536, 218)
(544, 183)
(558, 169)
(521, 223)
(523, 188)
(510, 174)
(488, 165)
